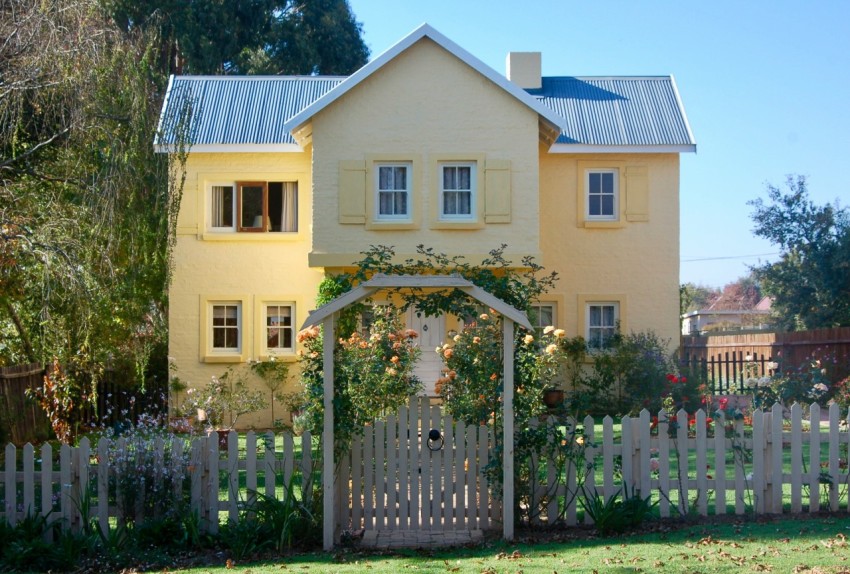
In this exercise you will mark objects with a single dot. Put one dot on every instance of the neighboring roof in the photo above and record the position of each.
(260, 113)
(618, 111)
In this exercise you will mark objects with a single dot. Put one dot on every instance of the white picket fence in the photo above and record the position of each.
(782, 463)
(122, 482)
(393, 478)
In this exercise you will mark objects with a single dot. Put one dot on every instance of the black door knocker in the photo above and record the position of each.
(435, 440)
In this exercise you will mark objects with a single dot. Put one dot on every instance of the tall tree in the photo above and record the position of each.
(810, 283)
(249, 36)
(84, 202)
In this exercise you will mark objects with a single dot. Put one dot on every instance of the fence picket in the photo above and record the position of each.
(775, 451)
(10, 490)
(682, 466)
(833, 457)
(472, 477)
(664, 464)
(702, 463)
(447, 453)
(720, 465)
(232, 466)
(380, 475)
(814, 457)
(46, 486)
(589, 474)
(403, 442)
(250, 469)
(369, 482)
(759, 468)
(796, 458)
(29, 480)
(460, 480)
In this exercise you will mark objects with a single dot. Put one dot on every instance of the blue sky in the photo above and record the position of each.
(766, 85)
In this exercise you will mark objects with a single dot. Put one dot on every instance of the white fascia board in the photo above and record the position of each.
(588, 148)
(682, 111)
(233, 148)
(422, 31)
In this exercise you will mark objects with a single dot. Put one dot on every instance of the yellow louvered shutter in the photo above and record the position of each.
(352, 191)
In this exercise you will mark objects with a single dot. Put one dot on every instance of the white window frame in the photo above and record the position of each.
(473, 191)
(279, 350)
(408, 167)
(236, 207)
(589, 194)
(537, 323)
(239, 327)
(212, 202)
(589, 329)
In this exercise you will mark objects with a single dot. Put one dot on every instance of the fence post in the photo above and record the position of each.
(11, 491)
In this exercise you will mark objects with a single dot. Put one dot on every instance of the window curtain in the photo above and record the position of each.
(289, 207)
(218, 206)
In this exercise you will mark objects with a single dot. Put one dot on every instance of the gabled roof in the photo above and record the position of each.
(423, 31)
(260, 113)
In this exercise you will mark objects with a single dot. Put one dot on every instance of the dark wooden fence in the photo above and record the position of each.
(119, 402)
(22, 420)
(728, 361)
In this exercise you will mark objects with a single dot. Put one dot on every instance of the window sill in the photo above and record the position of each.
(447, 224)
(390, 225)
(273, 237)
(222, 358)
(594, 224)
(287, 358)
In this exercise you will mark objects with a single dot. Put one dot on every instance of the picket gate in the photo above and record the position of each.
(391, 480)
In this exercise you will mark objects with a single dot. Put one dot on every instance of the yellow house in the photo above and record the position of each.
(288, 179)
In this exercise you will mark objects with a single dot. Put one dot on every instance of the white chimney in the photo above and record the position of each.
(524, 69)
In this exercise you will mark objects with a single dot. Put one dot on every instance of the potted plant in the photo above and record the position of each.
(221, 402)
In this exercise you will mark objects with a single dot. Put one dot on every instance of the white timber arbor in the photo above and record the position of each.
(326, 316)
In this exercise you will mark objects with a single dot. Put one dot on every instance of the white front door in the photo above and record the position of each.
(432, 334)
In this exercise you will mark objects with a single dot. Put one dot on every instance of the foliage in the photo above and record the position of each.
(65, 394)
(146, 481)
(620, 512)
(809, 282)
(85, 208)
(225, 395)
(693, 297)
(818, 379)
(273, 374)
(373, 374)
(518, 283)
(250, 37)
(631, 375)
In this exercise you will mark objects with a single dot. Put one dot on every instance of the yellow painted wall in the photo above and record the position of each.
(249, 267)
(635, 260)
(425, 105)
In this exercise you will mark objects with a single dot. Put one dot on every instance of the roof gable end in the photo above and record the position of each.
(296, 122)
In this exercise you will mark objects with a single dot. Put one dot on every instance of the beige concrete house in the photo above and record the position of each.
(290, 178)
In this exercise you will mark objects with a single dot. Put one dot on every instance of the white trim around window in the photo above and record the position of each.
(253, 206)
(224, 325)
(458, 191)
(393, 186)
(278, 324)
(602, 202)
(601, 322)
(542, 315)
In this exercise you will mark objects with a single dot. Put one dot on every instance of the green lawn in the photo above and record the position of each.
(802, 546)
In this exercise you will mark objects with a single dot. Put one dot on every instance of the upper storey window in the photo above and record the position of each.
(393, 191)
(457, 191)
(602, 194)
(254, 206)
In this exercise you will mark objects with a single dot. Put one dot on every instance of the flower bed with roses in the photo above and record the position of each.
(373, 375)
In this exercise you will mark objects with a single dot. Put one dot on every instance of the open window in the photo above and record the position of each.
(255, 206)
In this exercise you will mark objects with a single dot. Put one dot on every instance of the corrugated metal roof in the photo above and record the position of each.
(238, 110)
(598, 111)
(617, 111)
